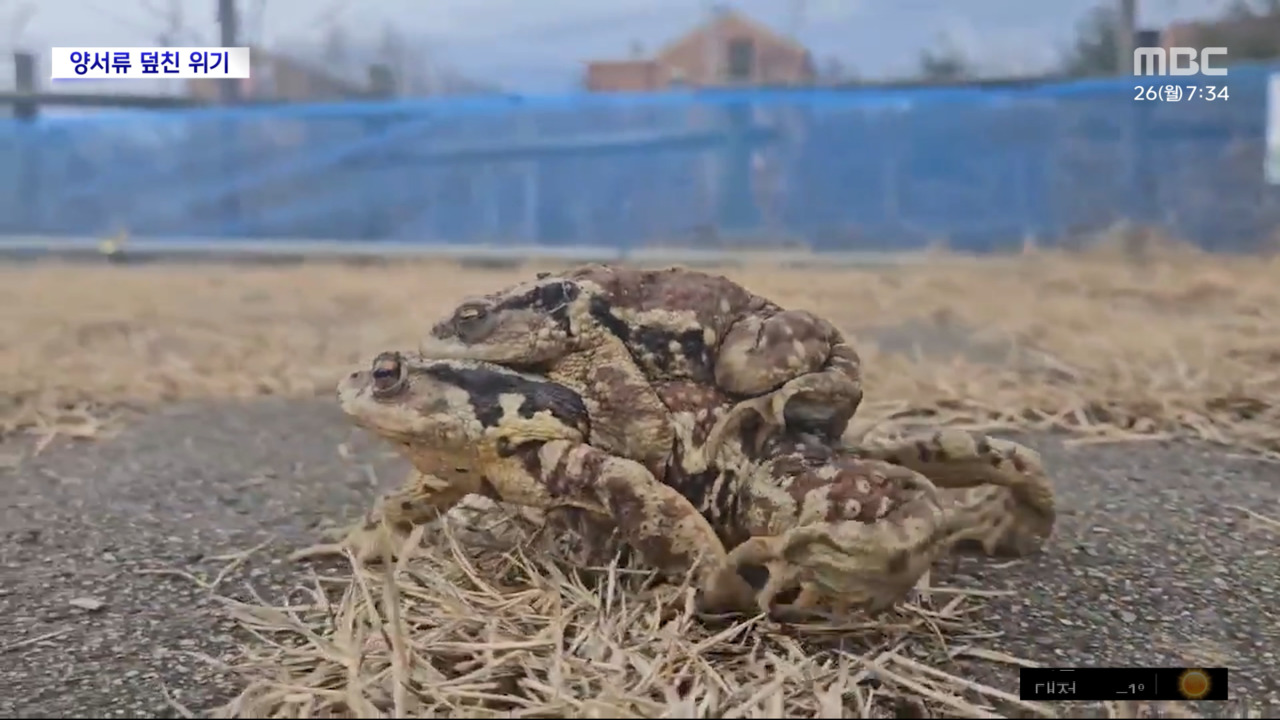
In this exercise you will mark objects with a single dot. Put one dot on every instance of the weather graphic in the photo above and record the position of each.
(1194, 684)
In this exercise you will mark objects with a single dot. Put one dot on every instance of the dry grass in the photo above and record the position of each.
(488, 620)
(1106, 346)
(475, 626)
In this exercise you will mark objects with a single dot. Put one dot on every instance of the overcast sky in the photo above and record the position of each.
(540, 45)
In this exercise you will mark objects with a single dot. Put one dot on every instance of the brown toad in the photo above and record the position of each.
(610, 333)
(769, 490)
(859, 531)
(471, 428)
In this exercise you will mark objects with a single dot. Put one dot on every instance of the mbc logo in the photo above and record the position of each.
(1177, 61)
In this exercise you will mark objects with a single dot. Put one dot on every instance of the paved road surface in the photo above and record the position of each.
(1149, 565)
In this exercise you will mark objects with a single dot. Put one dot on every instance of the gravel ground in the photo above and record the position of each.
(1150, 564)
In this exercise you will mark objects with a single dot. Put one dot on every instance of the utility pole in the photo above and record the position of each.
(25, 82)
(1126, 22)
(229, 90)
(711, 45)
(229, 23)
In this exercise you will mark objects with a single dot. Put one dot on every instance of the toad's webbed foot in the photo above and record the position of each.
(368, 543)
(995, 491)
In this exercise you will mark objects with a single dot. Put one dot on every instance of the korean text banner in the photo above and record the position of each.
(102, 63)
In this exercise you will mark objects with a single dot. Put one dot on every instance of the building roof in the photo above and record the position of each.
(728, 19)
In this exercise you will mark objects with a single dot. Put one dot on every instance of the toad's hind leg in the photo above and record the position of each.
(996, 492)
(801, 395)
(852, 561)
(849, 563)
(759, 354)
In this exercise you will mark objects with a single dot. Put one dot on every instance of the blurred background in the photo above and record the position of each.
(831, 125)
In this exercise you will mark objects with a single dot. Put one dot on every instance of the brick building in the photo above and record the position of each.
(1246, 38)
(729, 48)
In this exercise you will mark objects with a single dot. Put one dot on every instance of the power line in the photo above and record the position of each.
(171, 17)
(329, 16)
(118, 19)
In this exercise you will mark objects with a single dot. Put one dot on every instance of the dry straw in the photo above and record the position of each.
(484, 620)
(478, 625)
(1098, 343)
(1111, 346)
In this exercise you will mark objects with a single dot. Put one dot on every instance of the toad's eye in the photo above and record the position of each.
(471, 313)
(387, 372)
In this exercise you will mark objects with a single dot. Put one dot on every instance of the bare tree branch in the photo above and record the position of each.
(19, 20)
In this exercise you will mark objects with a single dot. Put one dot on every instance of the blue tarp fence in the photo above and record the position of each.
(835, 169)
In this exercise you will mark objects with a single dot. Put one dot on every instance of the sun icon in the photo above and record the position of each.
(1194, 684)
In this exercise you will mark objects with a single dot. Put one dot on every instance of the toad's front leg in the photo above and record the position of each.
(628, 418)
(422, 499)
(657, 521)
